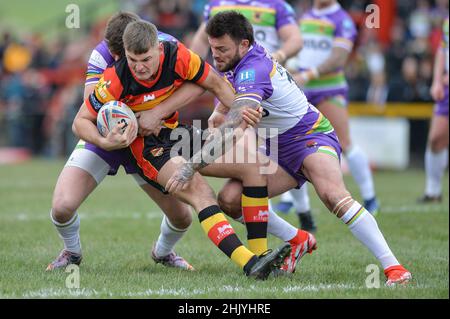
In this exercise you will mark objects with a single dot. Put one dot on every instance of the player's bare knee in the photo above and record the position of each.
(182, 220)
(437, 144)
(229, 200)
(63, 209)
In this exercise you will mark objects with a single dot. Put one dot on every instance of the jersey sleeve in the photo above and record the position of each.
(285, 15)
(189, 66)
(253, 82)
(108, 88)
(99, 60)
(345, 33)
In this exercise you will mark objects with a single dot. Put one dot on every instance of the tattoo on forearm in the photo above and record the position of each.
(223, 135)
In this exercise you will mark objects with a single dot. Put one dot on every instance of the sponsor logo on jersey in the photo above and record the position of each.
(96, 104)
(311, 144)
(246, 76)
(317, 45)
(257, 17)
(102, 87)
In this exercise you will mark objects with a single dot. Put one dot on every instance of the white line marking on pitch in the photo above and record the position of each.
(175, 292)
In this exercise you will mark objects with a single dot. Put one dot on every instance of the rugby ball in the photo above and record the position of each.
(113, 113)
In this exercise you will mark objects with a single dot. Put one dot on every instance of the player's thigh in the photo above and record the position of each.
(438, 137)
(324, 172)
(337, 114)
(279, 181)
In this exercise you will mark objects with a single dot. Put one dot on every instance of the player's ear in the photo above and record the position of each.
(245, 43)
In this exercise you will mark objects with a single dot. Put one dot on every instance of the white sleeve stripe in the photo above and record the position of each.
(248, 98)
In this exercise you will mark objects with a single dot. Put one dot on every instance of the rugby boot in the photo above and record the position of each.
(307, 222)
(172, 260)
(304, 242)
(397, 275)
(64, 259)
(427, 199)
(268, 261)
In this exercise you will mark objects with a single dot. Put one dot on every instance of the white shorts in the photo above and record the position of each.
(94, 165)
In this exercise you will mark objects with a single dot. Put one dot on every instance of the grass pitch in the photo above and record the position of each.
(119, 225)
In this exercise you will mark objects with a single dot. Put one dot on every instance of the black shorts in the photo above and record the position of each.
(152, 152)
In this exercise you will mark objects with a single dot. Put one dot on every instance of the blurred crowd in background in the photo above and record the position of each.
(42, 81)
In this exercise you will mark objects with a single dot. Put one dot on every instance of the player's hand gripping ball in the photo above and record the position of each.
(114, 113)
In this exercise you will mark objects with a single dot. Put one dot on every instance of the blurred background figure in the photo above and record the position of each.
(436, 154)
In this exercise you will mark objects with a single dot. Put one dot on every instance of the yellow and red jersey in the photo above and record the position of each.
(177, 65)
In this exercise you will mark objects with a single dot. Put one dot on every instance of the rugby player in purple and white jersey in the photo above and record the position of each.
(88, 164)
(329, 34)
(275, 28)
(307, 146)
(436, 154)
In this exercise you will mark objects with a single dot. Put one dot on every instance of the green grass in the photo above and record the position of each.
(119, 225)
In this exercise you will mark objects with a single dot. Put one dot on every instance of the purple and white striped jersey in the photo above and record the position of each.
(266, 17)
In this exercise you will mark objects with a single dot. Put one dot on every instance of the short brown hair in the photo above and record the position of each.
(140, 36)
(232, 23)
(114, 31)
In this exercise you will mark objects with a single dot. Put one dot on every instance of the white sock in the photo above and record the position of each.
(435, 164)
(69, 233)
(280, 228)
(286, 197)
(169, 236)
(364, 227)
(300, 198)
(358, 164)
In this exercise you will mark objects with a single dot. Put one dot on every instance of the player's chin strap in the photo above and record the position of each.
(337, 209)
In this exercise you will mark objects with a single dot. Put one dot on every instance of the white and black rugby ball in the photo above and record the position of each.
(113, 113)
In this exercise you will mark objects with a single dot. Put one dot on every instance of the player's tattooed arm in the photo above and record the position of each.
(227, 133)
